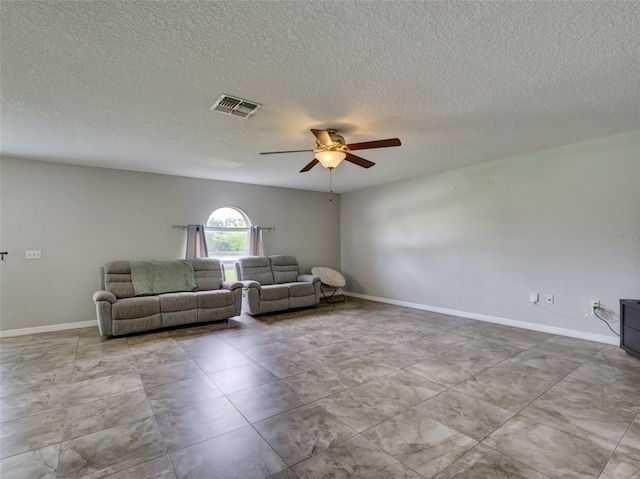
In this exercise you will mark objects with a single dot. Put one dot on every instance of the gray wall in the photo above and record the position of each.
(81, 217)
(480, 239)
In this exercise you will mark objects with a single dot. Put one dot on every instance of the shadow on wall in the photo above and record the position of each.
(352, 284)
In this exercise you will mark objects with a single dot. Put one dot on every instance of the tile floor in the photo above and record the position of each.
(358, 389)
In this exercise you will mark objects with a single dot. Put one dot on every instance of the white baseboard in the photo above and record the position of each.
(47, 329)
(572, 333)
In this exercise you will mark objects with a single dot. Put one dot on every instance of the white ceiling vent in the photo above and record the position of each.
(236, 106)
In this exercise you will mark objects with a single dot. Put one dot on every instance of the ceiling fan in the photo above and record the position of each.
(331, 149)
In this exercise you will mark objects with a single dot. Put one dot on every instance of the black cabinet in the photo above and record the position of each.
(630, 326)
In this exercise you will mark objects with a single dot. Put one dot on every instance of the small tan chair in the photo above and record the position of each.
(331, 281)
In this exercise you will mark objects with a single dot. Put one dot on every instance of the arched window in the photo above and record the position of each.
(227, 232)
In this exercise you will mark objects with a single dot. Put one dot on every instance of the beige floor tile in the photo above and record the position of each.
(243, 377)
(466, 414)
(32, 403)
(366, 405)
(159, 468)
(303, 432)
(181, 394)
(597, 412)
(549, 450)
(102, 387)
(106, 413)
(216, 361)
(184, 427)
(159, 374)
(482, 462)
(510, 386)
(363, 369)
(291, 364)
(30, 433)
(110, 450)
(625, 462)
(355, 457)
(265, 401)
(19, 381)
(426, 446)
(40, 463)
(239, 454)
(318, 383)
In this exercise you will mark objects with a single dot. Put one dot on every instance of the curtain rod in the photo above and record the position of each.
(265, 228)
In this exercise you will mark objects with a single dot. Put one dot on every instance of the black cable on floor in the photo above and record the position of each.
(605, 322)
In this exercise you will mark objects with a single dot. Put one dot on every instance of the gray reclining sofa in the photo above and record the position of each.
(196, 293)
(274, 283)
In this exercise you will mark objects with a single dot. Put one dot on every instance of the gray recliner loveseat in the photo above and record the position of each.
(198, 294)
(274, 283)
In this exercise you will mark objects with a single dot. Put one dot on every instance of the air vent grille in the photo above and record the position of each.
(235, 106)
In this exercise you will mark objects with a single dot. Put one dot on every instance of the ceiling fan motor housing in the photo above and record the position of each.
(338, 140)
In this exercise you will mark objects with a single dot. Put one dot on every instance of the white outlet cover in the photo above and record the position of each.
(33, 254)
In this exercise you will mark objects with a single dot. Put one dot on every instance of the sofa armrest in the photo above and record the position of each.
(231, 285)
(250, 284)
(104, 295)
(308, 278)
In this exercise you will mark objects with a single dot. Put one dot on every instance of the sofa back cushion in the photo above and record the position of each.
(117, 276)
(255, 268)
(285, 268)
(208, 272)
(117, 279)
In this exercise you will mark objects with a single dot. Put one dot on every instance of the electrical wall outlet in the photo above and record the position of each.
(549, 299)
(33, 254)
(595, 305)
(533, 297)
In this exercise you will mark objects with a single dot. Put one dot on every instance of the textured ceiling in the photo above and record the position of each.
(129, 84)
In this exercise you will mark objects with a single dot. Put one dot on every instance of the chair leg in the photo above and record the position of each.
(328, 299)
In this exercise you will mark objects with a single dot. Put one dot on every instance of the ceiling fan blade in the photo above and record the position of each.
(278, 152)
(375, 144)
(323, 137)
(358, 161)
(310, 165)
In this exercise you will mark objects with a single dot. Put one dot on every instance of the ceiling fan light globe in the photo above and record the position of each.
(330, 159)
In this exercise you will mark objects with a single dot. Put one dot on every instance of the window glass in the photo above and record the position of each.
(227, 233)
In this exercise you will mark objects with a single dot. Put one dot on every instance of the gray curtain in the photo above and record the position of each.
(196, 242)
(255, 241)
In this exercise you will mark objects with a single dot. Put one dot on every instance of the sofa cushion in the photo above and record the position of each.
(208, 273)
(215, 299)
(274, 292)
(256, 268)
(117, 279)
(284, 267)
(171, 302)
(300, 289)
(136, 307)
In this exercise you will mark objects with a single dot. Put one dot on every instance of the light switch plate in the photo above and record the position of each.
(33, 254)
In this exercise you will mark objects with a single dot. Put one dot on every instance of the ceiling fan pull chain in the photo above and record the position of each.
(330, 184)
